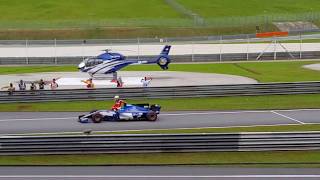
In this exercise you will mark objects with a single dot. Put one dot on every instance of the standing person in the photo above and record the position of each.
(22, 85)
(119, 82)
(54, 85)
(145, 82)
(10, 89)
(33, 87)
(90, 84)
(118, 103)
(41, 84)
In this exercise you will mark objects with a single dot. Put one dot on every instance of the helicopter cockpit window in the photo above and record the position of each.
(93, 62)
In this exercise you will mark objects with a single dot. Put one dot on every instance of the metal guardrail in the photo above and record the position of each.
(162, 92)
(175, 58)
(149, 143)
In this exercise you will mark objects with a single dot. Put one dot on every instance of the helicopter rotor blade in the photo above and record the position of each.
(109, 50)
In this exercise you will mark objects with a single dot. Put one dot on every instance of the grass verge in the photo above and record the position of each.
(118, 32)
(181, 104)
(278, 159)
(258, 128)
(235, 129)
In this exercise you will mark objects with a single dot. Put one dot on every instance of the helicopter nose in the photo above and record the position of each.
(81, 65)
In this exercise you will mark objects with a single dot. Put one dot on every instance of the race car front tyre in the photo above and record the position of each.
(97, 118)
(79, 118)
(152, 116)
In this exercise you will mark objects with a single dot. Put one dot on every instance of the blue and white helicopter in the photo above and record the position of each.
(110, 63)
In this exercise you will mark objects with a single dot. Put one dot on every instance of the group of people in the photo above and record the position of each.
(54, 85)
(23, 87)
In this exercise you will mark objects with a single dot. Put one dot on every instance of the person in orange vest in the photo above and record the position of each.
(89, 83)
(118, 103)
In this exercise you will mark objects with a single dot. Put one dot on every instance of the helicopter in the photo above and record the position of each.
(111, 62)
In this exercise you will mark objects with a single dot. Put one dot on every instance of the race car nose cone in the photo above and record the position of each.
(81, 65)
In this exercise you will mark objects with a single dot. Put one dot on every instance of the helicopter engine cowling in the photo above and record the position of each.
(111, 56)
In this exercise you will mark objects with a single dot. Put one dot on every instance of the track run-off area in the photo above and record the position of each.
(66, 122)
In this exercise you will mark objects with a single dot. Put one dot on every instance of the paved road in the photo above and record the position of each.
(155, 173)
(51, 122)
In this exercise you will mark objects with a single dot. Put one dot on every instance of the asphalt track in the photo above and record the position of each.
(52, 122)
(154, 173)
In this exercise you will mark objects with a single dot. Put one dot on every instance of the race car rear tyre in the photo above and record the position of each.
(97, 118)
(152, 116)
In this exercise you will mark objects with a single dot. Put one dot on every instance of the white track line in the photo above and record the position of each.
(287, 117)
(159, 176)
(37, 119)
(289, 110)
(213, 113)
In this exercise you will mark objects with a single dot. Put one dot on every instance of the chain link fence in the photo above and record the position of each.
(188, 49)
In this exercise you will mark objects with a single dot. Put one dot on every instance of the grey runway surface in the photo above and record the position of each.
(52, 122)
(154, 173)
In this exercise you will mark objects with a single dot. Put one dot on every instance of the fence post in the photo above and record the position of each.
(138, 49)
(248, 44)
(300, 55)
(275, 48)
(27, 56)
(220, 49)
(55, 52)
(192, 50)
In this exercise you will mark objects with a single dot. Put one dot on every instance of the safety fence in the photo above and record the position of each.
(236, 38)
(187, 49)
(225, 57)
(150, 143)
(162, 92)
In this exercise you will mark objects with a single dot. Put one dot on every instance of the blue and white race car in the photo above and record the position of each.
(134, 112)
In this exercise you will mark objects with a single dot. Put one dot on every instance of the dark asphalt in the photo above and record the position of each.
(51, 122)
(154, 173)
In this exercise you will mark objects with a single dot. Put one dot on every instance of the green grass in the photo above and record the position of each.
(261, 71)
(213, 103)
(275, 128)
(35, 69)
(281, 158)
(78, 19)
(225, 8)
(60, 13)
(234, 129)
(47, 11)
(111, 32)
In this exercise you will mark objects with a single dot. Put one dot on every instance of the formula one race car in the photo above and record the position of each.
(134, 112)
